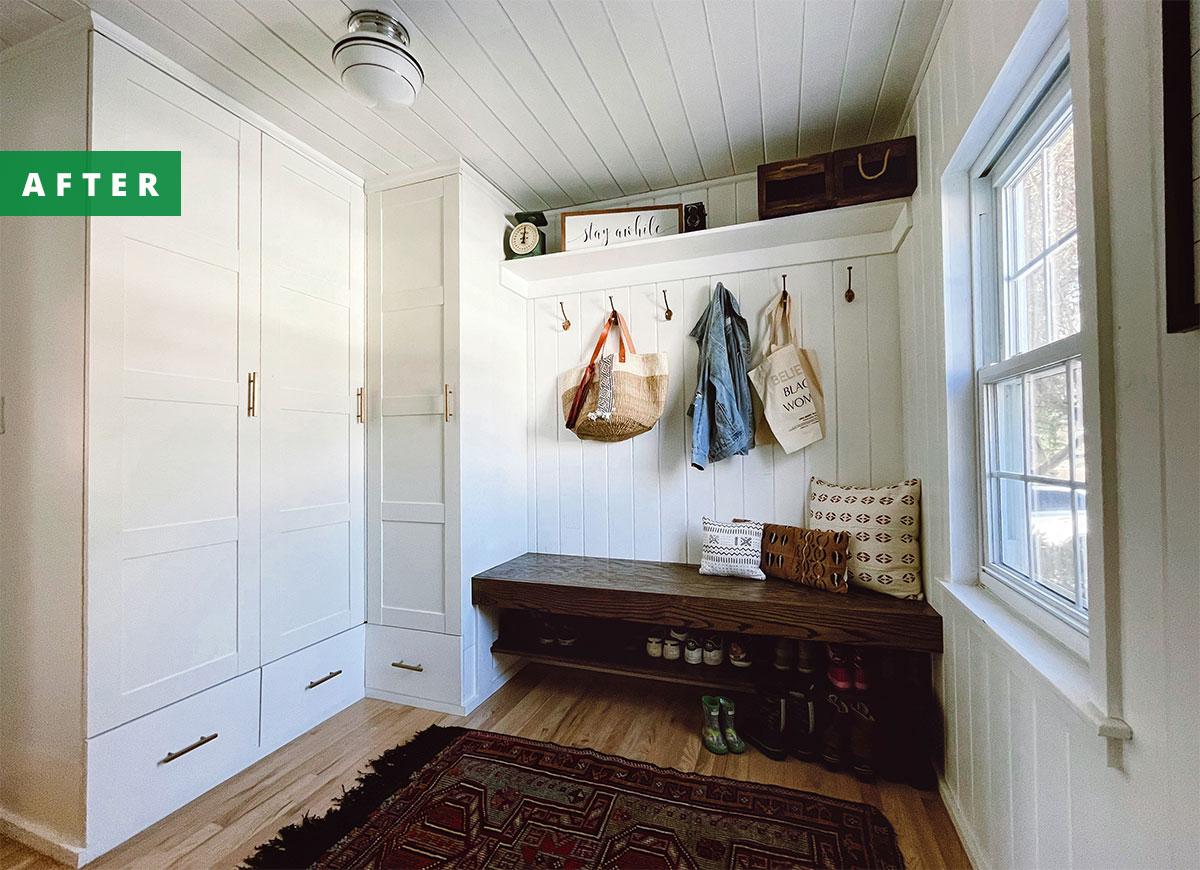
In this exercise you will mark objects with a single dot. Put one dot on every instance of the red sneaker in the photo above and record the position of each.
(860, 671)
(839, 668)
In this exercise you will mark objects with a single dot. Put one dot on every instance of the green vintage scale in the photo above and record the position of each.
(525, 239)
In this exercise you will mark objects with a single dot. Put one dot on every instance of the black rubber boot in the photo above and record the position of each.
(802, 729)
(836, 739)
(862, 726)
(767, 732)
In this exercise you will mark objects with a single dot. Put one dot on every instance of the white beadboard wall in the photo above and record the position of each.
(1025, 776)
(727, 201)
(641, 498)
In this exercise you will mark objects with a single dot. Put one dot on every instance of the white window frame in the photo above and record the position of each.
(1001, 159)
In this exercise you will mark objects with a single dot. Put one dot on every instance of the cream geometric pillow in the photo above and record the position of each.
(732, 550)
(885, 527)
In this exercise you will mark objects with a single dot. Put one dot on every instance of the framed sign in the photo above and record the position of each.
(1180, 44)
(614, 226)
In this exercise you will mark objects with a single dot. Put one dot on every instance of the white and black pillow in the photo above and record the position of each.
(732, 550)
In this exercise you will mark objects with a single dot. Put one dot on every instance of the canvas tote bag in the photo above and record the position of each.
(614, 399)
(788, 384)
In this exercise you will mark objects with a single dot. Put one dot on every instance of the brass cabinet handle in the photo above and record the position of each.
(361, 406)
(171, 756)
(449, 392)
(251, 391)
(401, 664)
(324, 679)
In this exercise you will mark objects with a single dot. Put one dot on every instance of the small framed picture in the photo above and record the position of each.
(604, 228)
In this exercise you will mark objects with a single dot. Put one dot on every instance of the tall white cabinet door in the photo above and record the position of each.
(412, 296)
(172, 493)
(312, 370)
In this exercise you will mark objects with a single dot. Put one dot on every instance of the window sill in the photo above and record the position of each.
(1041, 619)
(1063, 670)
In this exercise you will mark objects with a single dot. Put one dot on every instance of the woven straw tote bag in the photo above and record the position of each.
(614, 399)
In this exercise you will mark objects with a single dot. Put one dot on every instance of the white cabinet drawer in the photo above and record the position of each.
(419, 664)
(149, 767)
(307, 687)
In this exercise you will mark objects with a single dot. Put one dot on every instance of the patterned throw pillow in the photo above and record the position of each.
(810, 557)
(732, 550)
(884, 524)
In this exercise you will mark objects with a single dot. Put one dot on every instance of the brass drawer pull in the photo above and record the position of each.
(326, 678)
(171, 756)
(401, 664)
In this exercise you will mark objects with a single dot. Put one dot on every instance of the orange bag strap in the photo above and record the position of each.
(624, 338)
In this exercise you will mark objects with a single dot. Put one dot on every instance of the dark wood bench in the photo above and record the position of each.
(670, 593)
(610, 601)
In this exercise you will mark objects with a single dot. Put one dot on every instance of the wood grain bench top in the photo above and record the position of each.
(671, 593)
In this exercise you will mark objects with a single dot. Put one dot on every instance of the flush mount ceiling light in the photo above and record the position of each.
(374, 63)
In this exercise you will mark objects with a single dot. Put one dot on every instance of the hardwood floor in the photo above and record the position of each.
(644, 720)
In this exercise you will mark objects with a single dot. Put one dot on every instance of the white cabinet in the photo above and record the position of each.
(193, 383)
(414, 441)
(312, 371)
(172, 472)
(447, 435)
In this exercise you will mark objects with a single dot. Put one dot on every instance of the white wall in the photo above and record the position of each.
(641, 498)
(1026, 777)
(41, 461)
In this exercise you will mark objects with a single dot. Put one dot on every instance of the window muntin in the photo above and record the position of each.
(1030, 379)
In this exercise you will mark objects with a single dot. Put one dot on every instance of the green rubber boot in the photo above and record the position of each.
(733, 742)
(710, 731)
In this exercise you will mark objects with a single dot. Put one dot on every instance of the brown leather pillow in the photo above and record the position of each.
(810, 557)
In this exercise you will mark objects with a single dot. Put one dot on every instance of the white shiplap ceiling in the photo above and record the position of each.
(558, 103)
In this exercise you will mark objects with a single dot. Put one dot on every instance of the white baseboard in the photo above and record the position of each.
(500, 679)
(414, 701)
(965, 832)
(39, 838)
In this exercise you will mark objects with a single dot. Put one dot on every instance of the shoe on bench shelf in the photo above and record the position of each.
(839, 668)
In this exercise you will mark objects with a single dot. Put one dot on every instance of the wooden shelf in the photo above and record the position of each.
(724, 677)
(835, 234)
(668, 593)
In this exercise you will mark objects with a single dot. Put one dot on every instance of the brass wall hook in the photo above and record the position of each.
(849, 283)
(784, 296)
(614, 309)
(669, 313)
(566, 322)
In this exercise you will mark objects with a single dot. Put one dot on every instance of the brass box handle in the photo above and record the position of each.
(361, 406)
(329, 676)
(171, 756)
(251, 394)
(401, 664)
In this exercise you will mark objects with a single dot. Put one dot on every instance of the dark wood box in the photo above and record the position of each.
(870, 173)
(881, 170)
(795, 186)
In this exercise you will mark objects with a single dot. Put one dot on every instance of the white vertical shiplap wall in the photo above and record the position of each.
(1025, 775)
(732, 200)
(641, 498)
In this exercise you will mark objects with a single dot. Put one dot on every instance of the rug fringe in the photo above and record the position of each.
(301, 845)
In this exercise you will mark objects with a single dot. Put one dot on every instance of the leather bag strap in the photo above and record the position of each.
(624, 338)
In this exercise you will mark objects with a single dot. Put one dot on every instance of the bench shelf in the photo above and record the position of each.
(725, 677)
(674, 594)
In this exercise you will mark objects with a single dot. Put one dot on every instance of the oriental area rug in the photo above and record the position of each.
(454, 797)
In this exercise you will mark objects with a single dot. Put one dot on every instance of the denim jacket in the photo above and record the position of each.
(722, 419)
